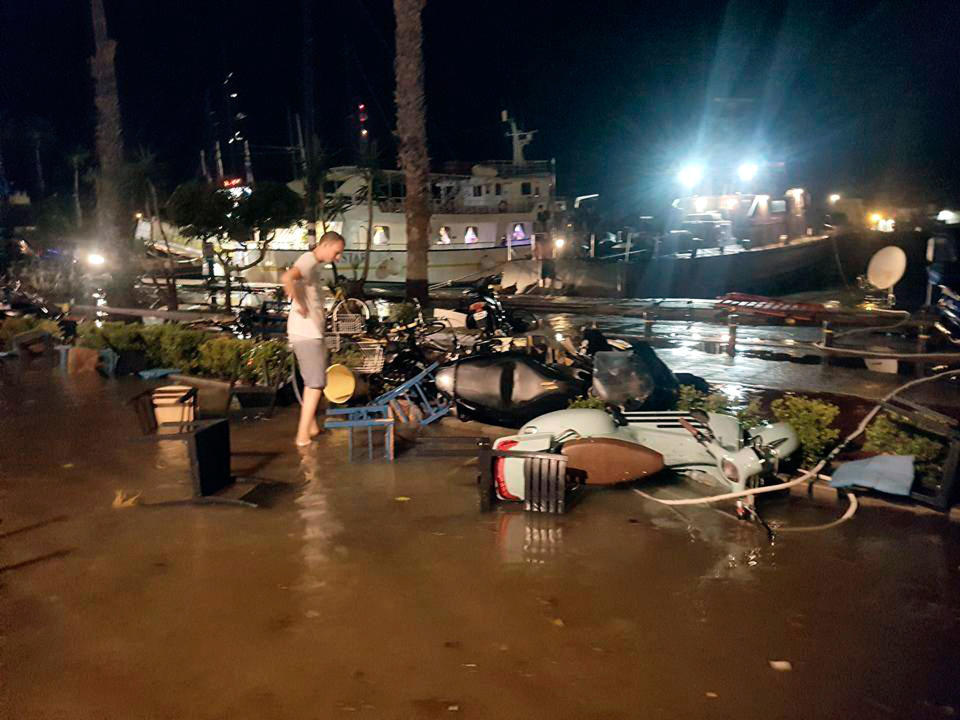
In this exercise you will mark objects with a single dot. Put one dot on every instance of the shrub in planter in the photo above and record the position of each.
(590, 402)
(117, 336)
(812, 419)
(267, 363)
(12, 326)
(126, 339)
(890, 434)
(173, 345)
(223, 357)
(749, 415)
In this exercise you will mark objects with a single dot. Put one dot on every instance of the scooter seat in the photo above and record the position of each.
(609, 461)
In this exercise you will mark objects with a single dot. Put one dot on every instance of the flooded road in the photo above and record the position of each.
(377, 590)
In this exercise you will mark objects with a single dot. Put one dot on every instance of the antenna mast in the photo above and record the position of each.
(521, 138)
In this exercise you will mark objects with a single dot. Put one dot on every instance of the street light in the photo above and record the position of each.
(96, 259)
(834, 198)
(747, 171)
(690, 175)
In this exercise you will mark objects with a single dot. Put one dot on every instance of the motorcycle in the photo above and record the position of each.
(485, 312)
(507, 388)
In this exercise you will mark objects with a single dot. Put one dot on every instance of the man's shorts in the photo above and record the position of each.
(312, 360)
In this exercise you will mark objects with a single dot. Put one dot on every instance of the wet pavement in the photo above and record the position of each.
(377, 590)
(774, 357)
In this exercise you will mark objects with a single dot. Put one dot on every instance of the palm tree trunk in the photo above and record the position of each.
(109, 138)
(77, 209)
(41, 183)
(412, 140)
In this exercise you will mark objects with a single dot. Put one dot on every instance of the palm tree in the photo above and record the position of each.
(109, 133)
(412, 140)
(77, 159)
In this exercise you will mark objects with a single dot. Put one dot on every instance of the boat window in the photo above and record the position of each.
(381, 235)
(471, 235)
(778, 206)
(477, 190)
(488, 189)
(436, 191)
(525, 188)
(498, 189)
(445, 238)
(519, 233)
(330, 187)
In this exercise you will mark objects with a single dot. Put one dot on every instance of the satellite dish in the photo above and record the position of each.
(886, 267)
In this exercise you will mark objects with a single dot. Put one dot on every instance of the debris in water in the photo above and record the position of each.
(558, 622)
(402, 498)
(712, 695)
(312, 614)
(453, 708)
(455, 644)
(781, 665)
(121, 499)
(67, 466)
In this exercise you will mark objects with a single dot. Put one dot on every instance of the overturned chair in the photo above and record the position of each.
(168, 414)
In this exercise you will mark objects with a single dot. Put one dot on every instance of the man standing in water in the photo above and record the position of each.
(303, 284)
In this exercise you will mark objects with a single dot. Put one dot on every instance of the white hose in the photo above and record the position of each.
(905, 317)
(807, 474)
(870, 353)
(851, 510)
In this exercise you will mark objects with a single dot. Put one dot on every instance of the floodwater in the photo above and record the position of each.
(378, 590)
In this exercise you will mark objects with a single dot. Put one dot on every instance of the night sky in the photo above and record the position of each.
(857, 97)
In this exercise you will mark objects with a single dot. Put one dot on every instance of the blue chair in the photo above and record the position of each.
(371, 417)
(413, 392)
(382, 413)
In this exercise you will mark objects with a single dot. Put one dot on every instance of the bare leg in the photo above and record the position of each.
(315, 428)
(308, 414)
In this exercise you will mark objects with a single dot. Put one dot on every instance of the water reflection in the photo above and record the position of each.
(320, 526)
(528, 538)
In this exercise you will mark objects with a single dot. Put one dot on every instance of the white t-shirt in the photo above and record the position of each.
(314, 292)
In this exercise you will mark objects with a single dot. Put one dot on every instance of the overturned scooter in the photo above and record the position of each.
(549, 461)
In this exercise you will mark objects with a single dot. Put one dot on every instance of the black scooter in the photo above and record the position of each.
(485, 312)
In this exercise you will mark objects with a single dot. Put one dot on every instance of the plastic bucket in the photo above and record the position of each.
(341, 384)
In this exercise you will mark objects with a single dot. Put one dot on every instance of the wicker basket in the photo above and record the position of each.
(344, 322)
(372, 357)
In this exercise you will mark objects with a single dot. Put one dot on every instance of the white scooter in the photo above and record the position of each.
(552, 456)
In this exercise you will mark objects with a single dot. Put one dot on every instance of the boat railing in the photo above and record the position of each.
(455, 206)
(504, 168)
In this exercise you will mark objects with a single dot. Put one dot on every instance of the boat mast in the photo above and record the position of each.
(521, 138)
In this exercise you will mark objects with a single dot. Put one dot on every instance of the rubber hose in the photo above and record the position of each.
(812, 473)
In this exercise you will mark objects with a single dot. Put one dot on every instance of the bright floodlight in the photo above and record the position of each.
(559, 242)
(834, 198)
(747, 171)
(690, 175)
(95, 259)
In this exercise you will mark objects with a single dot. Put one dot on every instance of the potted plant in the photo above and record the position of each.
(126, 340)
(266, 368)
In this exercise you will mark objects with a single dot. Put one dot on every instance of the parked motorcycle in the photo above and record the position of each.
(486, 312)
